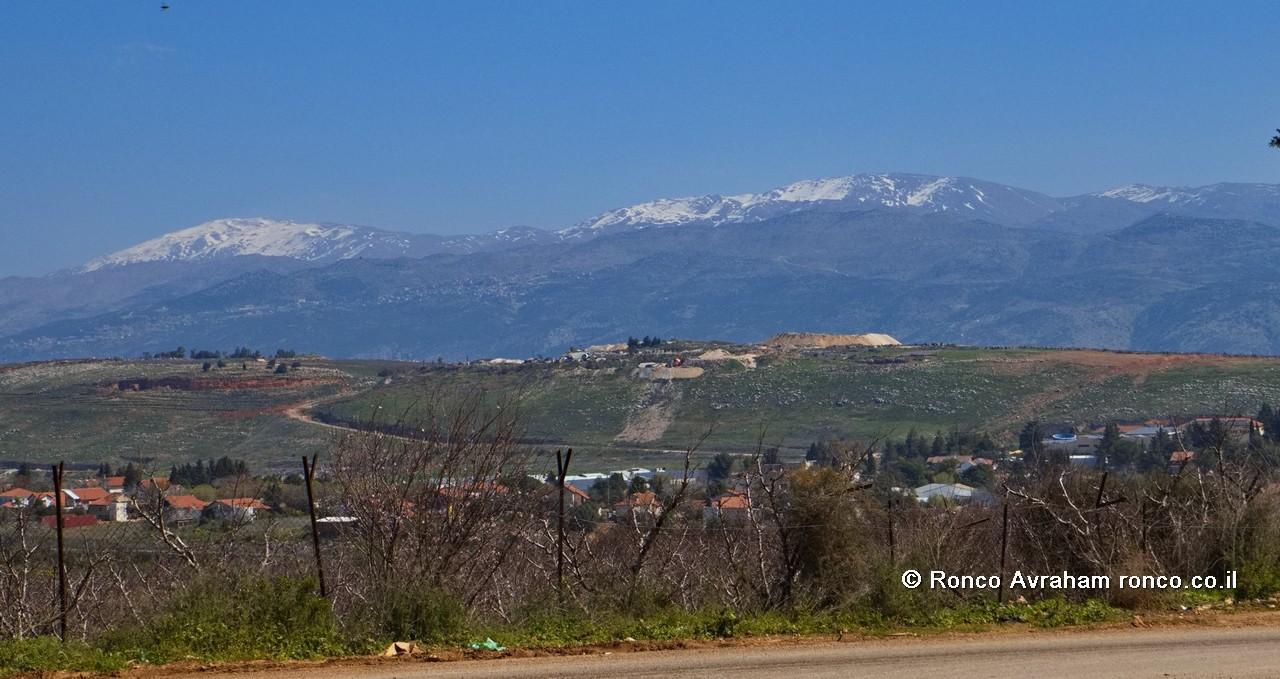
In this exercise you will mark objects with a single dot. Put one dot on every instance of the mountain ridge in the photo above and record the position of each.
(921, 257)
(921, 277)
(1104, 210)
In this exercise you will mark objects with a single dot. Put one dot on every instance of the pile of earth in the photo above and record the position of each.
(823, 340)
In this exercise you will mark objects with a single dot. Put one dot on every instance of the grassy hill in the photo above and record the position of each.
(611, 409)
(159, 412)
(799, 396)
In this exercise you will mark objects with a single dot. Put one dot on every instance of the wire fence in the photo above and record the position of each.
(456, 514)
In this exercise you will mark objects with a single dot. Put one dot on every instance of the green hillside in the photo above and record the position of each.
(90, 411)
(78, 411)
(799, 396)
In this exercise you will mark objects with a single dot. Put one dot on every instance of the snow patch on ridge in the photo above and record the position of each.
(230, 237)
(1142, 193)
(862, 191)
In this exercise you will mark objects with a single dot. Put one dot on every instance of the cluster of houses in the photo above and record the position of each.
(105, 499)
(1082, 448)
(646, 504)
(955, 493)
(584, 482)
(736, 505)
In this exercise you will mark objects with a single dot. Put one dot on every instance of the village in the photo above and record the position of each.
(717, 491)
(110, 499)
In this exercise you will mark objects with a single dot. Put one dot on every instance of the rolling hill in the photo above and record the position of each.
(612, 409)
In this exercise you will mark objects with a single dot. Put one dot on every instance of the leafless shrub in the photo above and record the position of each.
(435, 507)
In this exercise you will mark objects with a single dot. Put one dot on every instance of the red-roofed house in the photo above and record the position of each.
(158, 482)
(963, 462)
(637, 506)
(732, 506)
(111, 508)
(235, 508)
(575, 497)
(16, 497)
(69, 498)
(180, 509)
(1238, 428)
(90, 494)
(1180, 458)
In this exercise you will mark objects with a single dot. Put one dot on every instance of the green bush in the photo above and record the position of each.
(721, 625)
(423, 614)
(279, 618)
(1259, 579)
(47, 654)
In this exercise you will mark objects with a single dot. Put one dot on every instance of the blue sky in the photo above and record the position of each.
(119, 122)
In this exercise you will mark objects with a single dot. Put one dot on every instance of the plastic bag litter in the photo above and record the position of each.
(486, 645)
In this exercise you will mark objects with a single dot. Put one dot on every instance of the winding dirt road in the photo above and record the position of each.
(1108, 654)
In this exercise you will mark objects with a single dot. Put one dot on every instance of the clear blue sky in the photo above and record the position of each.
(119, 122)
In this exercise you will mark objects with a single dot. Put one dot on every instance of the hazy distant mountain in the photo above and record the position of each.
(27, 302)
(1248, 201)
(922, 258)
(1124, 205)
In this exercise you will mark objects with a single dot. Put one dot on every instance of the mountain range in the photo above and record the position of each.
(924, 258)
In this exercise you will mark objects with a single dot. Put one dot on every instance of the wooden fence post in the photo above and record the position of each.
(308, 474)
(562, 471)
(1004, 546)
(893, 545)
(62, 564)
(1143, 541)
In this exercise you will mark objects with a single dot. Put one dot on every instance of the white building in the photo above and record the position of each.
(953, 493)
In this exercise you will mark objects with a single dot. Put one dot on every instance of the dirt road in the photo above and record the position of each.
(1109, 654)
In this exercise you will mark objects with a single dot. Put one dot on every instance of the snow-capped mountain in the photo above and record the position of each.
(969, 198)
(1143, 193)
(1248, 201)
(818, 250)
(928, 193)
(265, 237)
(308, 242)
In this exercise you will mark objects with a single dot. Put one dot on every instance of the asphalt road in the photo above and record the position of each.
(1161, 652)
